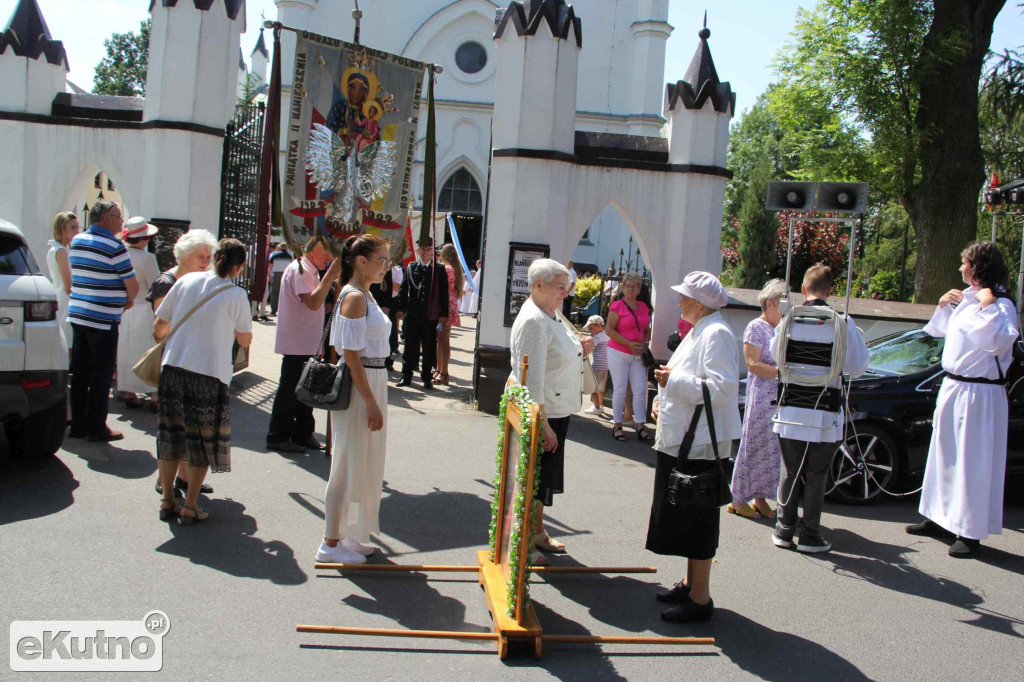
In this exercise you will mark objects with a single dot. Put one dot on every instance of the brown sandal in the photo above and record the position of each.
(169, 509)
(198, 514)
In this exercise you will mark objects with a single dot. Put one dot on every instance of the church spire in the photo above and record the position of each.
(28, 36)
(701, 81)
(261, 46)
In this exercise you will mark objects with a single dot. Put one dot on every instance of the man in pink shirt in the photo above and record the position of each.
(300, 325)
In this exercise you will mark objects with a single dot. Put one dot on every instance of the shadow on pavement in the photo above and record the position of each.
(597, 434)
(227, 542)
(30, 490)
(432, 521)
(110, 459)
(889, 567)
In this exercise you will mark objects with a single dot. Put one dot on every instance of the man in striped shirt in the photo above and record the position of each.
(103, 285)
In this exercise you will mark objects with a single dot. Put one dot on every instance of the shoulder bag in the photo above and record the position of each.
(323, 384)
(589, 378)
(148, 366)
(708, 489)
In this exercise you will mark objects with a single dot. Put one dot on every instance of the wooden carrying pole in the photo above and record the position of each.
(442, 568)
(386, 632)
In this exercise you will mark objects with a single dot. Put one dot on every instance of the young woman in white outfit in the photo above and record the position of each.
(65, 227)
(361, 334)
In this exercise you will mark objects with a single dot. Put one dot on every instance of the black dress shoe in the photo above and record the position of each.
(182, 485)
(428, 385)
(160, 489)
(676, 594)
(107, 437)
(688, 611)
(964, 548)
(928, 528)
(311, 444)
(404, 381)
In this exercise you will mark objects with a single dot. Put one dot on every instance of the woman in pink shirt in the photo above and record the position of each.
(629, 328)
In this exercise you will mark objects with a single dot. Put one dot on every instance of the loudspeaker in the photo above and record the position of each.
(844, 197)
(790, 196)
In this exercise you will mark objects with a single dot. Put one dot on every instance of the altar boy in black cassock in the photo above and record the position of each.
(423, 301)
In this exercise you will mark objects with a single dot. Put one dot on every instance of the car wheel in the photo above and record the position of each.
(865, 466)
(38, 436)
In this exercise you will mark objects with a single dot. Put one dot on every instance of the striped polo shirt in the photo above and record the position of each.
(99, 266)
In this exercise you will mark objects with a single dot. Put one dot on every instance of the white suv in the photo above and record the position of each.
(33, 353)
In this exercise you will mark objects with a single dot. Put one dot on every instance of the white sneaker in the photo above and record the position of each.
(593, 409)
(338, 555)
(358, 548)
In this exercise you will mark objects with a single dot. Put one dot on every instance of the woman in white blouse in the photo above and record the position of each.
(708, 355)
(555, 378)
(361, 334)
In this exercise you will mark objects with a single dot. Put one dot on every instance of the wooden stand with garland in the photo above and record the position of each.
(504, 571)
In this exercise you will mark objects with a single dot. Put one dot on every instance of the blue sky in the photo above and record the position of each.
(745, 34)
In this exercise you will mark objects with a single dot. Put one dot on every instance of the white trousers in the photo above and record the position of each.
(627, 369)
(352, 500)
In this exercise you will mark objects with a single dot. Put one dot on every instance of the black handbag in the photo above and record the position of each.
(323, 384)
(647, 357)
(708, 489)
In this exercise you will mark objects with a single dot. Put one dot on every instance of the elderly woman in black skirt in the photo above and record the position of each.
(706, 356)
(194, 422)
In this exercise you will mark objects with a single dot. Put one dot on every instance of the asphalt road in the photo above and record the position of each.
(80, 540)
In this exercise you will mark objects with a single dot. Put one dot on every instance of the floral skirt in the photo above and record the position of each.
(194, 423)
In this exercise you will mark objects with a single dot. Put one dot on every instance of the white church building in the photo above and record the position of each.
(621, 89)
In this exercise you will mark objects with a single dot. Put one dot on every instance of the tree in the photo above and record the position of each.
(904, 74)
(123, 70)
(758, 229)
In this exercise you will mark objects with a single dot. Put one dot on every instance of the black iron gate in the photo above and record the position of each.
(240, 169)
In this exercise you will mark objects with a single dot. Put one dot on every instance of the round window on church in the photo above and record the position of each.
(471, 57)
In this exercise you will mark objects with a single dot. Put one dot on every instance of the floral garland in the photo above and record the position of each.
(520, 396)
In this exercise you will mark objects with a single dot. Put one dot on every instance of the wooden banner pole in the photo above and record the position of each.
(598, 639)
(385, 632)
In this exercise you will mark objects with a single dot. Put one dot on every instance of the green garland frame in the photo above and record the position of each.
(521, 397)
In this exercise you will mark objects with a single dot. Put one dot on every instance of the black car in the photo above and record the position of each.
(889, 421)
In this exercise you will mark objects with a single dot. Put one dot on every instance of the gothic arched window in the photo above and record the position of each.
(460, 194)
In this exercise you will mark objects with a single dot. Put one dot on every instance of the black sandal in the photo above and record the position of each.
(642, 434)
(617, 433)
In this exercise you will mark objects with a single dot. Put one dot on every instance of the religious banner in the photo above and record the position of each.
(351, 141)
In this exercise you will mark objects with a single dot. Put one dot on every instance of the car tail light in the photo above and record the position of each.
(40, 311)
(29, 384)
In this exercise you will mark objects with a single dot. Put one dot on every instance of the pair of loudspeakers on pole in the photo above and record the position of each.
(841, 197)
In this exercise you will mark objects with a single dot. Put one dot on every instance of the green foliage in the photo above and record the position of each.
(249, 89)
(885, 285)
(586, 289)
(123, 70)
(758, 229)
(521, 397)
(1001, 114)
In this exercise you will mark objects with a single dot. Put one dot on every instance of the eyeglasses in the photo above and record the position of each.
(383, 261)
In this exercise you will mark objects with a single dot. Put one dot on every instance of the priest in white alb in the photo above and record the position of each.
(963, 480)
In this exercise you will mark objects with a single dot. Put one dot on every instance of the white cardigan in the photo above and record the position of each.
(555, 374)
(708, 352)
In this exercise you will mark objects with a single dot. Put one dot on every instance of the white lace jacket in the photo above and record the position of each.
(555, 375)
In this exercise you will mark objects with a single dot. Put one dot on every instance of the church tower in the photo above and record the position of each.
(260, 61)
(699, 109)
(192, 79)
(33, 66)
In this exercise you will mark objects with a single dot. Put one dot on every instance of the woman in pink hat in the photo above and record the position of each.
(136, 333)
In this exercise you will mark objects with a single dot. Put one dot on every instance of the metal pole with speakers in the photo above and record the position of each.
(835, 197)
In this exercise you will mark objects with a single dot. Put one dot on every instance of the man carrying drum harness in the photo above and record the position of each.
(813, 347)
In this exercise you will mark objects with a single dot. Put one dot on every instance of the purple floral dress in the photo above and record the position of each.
(757, 462)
